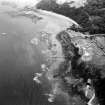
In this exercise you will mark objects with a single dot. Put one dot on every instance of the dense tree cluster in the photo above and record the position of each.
(91, 17)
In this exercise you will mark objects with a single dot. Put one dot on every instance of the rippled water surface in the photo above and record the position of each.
(19, 60)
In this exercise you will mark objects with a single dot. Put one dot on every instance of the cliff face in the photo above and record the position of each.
(84, 61)
(76, 67)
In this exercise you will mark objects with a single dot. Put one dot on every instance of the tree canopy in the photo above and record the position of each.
(91, 17)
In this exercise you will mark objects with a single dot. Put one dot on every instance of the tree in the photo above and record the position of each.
(91, 17)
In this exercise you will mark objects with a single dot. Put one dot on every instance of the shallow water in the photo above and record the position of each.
(19, 60)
